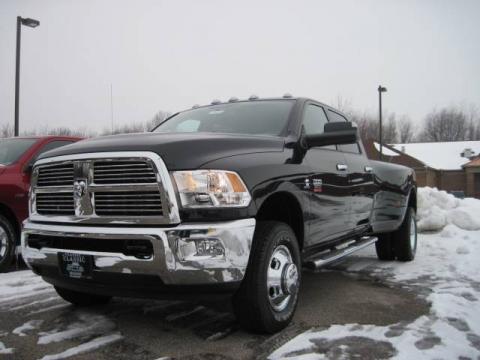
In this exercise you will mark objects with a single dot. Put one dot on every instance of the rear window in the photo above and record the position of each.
(12, 149)
(268, 117)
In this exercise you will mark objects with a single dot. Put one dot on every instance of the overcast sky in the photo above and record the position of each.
(169, 55)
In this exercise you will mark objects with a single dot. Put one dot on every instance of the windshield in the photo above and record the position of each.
(267, 117)
(12, 149)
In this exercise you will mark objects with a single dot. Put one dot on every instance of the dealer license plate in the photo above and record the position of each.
(76, 266)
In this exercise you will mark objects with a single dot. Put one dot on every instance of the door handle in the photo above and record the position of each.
(368, 169)
(342, 167)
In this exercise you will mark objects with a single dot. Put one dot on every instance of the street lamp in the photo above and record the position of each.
(381, 89)
(33, 24)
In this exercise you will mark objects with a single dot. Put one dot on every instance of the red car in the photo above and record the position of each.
(17, 156)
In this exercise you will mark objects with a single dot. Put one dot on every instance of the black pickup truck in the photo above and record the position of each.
(232, 198)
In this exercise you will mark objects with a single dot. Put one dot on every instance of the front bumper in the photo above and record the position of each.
(187, 254)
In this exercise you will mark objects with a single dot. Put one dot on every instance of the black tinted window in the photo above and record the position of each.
(12, 149)
(249, 117)
(314, 119)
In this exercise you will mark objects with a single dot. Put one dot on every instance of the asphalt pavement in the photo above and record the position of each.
(38, 324)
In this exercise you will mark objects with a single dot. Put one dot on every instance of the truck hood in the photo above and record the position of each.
(178, 150)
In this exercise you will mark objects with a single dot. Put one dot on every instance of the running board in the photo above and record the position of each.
(330, 256)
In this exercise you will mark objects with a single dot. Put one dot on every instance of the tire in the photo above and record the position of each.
(405, 238)
(82, 299)
(269, 307)
(7, 244)
(384, 247)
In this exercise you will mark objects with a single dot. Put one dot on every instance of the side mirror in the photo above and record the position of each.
(337, 133)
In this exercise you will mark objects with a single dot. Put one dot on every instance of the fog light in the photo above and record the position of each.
(195, 247)
(209, 246)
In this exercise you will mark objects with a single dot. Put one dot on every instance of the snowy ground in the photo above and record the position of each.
(360, 308)
(446, 272)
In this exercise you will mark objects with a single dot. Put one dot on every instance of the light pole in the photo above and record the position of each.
(30, 23)
(381, 89)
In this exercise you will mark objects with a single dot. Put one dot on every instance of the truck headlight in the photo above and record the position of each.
(211, 188)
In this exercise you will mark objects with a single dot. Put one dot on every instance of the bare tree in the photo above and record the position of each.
(447, 124)
(389, 134)
(405, 130)
(138, 127)
(473, 119)
(157, 119)
(6, 130)
(58, 131)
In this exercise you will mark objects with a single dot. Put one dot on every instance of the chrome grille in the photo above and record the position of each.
(123, 172)
(127, 203)
(55, 203)
(103, 188)
(56, 175)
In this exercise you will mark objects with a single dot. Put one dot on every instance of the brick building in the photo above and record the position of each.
(449, 166)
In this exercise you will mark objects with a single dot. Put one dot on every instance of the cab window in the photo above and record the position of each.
(314, 120)
(349, 148)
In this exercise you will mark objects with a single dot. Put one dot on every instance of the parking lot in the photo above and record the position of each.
(36, 324)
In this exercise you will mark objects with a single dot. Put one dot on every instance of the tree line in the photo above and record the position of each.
(452, 123)
(6, 130)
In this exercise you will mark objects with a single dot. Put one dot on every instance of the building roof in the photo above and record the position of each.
(385, 149)
(440, 155)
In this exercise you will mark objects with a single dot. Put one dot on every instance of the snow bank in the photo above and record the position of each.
(437, 208)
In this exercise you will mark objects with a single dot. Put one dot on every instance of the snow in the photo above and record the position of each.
(28, 326)
(440, 155)
(88, 325)
(385, 150)
(446, 265)
(23, 285)
(437, 209)
(86, 347)
(4, 350)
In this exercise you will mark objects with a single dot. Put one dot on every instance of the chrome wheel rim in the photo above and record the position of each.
(3, 242)
(282, 278)
(413, 234)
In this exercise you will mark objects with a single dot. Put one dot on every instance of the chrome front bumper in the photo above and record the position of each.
(179, 256)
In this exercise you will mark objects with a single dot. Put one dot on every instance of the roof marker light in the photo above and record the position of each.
(233, 99)
(196, 106)
(216, 102)
(287, 96)
(253, 97)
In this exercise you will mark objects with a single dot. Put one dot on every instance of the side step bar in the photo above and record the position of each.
(330, 256)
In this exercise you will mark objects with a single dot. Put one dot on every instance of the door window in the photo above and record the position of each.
(349, 148)
(314, 120)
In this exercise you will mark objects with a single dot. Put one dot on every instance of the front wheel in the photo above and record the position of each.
(268, 295)
(7, 244)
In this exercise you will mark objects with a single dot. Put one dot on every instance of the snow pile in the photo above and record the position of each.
(447, 266)
(437, 208)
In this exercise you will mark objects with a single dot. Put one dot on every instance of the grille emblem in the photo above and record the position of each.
(79, 189)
